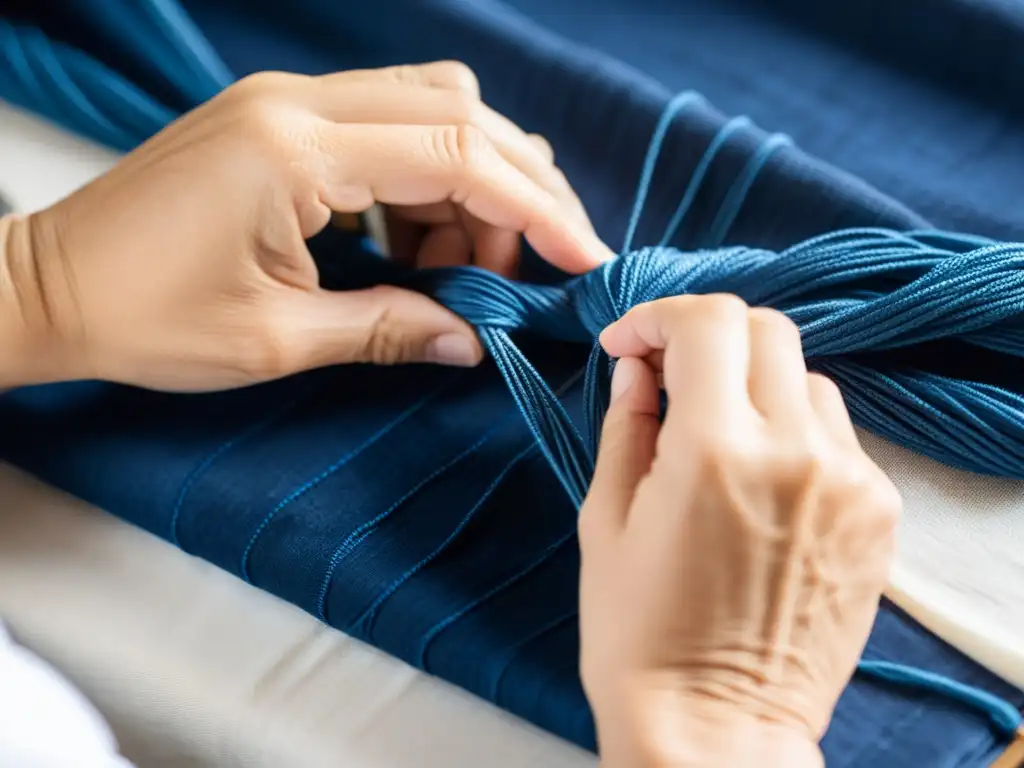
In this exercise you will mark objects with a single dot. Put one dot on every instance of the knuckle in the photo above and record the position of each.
(719, 307)
(464, 109)
(859, 488)
(726, 303)
(260, 85)
(385, 339)
(546, 149)
(715, 308)
(886, 502)
(774, 322)
(726, 452)
(461, 147)
(267, 355)
(406, 74)
(823, 385)
(254, 105)
(457, 75)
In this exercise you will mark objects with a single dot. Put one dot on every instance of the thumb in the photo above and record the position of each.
(384, 325)
(628, 440)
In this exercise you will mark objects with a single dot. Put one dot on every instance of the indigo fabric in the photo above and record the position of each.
(411, 507)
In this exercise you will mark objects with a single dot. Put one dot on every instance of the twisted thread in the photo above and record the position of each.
(850, 292)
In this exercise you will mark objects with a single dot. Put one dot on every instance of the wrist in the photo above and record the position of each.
(32, 348)
(666, 729)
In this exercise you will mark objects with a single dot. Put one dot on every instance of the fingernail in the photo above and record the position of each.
(622, 378)
(452, 349)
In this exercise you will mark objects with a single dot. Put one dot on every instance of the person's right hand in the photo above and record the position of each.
(733, 557)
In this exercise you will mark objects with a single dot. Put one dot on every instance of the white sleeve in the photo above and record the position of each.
(44, 721)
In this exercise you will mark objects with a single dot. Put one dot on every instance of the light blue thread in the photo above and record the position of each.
(675, 106)
(447, 621)
(1003, 715)
(965, 288)
(740, 188)
(186, 487)
(366, 617)
(357, 536)
(369, 614)
(196, 51)
(731, 127)
(363, 531)
(551, 626)
(310, 484)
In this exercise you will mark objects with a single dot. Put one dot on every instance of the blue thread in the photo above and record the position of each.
(357, 536)
(366, 617)
(551, 626)
(315, 481)
(952, 287)
(363, 531)
(731, 127)
(77, 91)
(738, 192)
(246, 434)
(1003, 715)
(198, 55)
(677, 105)
(447, 621)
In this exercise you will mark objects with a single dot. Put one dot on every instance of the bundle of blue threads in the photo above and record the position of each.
(850, 292)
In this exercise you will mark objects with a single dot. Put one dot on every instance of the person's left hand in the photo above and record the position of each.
(185, 268)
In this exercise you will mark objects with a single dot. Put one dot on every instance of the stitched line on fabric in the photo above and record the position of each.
(342, 461)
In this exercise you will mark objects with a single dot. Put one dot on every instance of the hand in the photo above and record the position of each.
(734, 556)
(186, 268)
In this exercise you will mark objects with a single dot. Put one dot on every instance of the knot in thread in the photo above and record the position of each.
(489, 301)
(849, 292)
(604, 295)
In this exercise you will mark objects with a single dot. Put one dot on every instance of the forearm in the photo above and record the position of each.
(29, 350)
(665, 731)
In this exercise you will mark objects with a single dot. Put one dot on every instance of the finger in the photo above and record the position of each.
(706, 345)
(494, 249)
(543, 146)
(382, 325)
(433, 213)
(491, 248)
(568, 194)
(446, 245)
(370, 102)
(444, 75)
(628, 440)
(778, 373)
(416, 165)
(827, 401)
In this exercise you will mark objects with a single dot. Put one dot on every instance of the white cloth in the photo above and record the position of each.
(960, 566)
(44, 721)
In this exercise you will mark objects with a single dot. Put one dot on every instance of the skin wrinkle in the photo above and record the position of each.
(757, 504)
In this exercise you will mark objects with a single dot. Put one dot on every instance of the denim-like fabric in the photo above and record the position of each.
(408, 507)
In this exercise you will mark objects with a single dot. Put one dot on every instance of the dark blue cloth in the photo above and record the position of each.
(407, 506)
